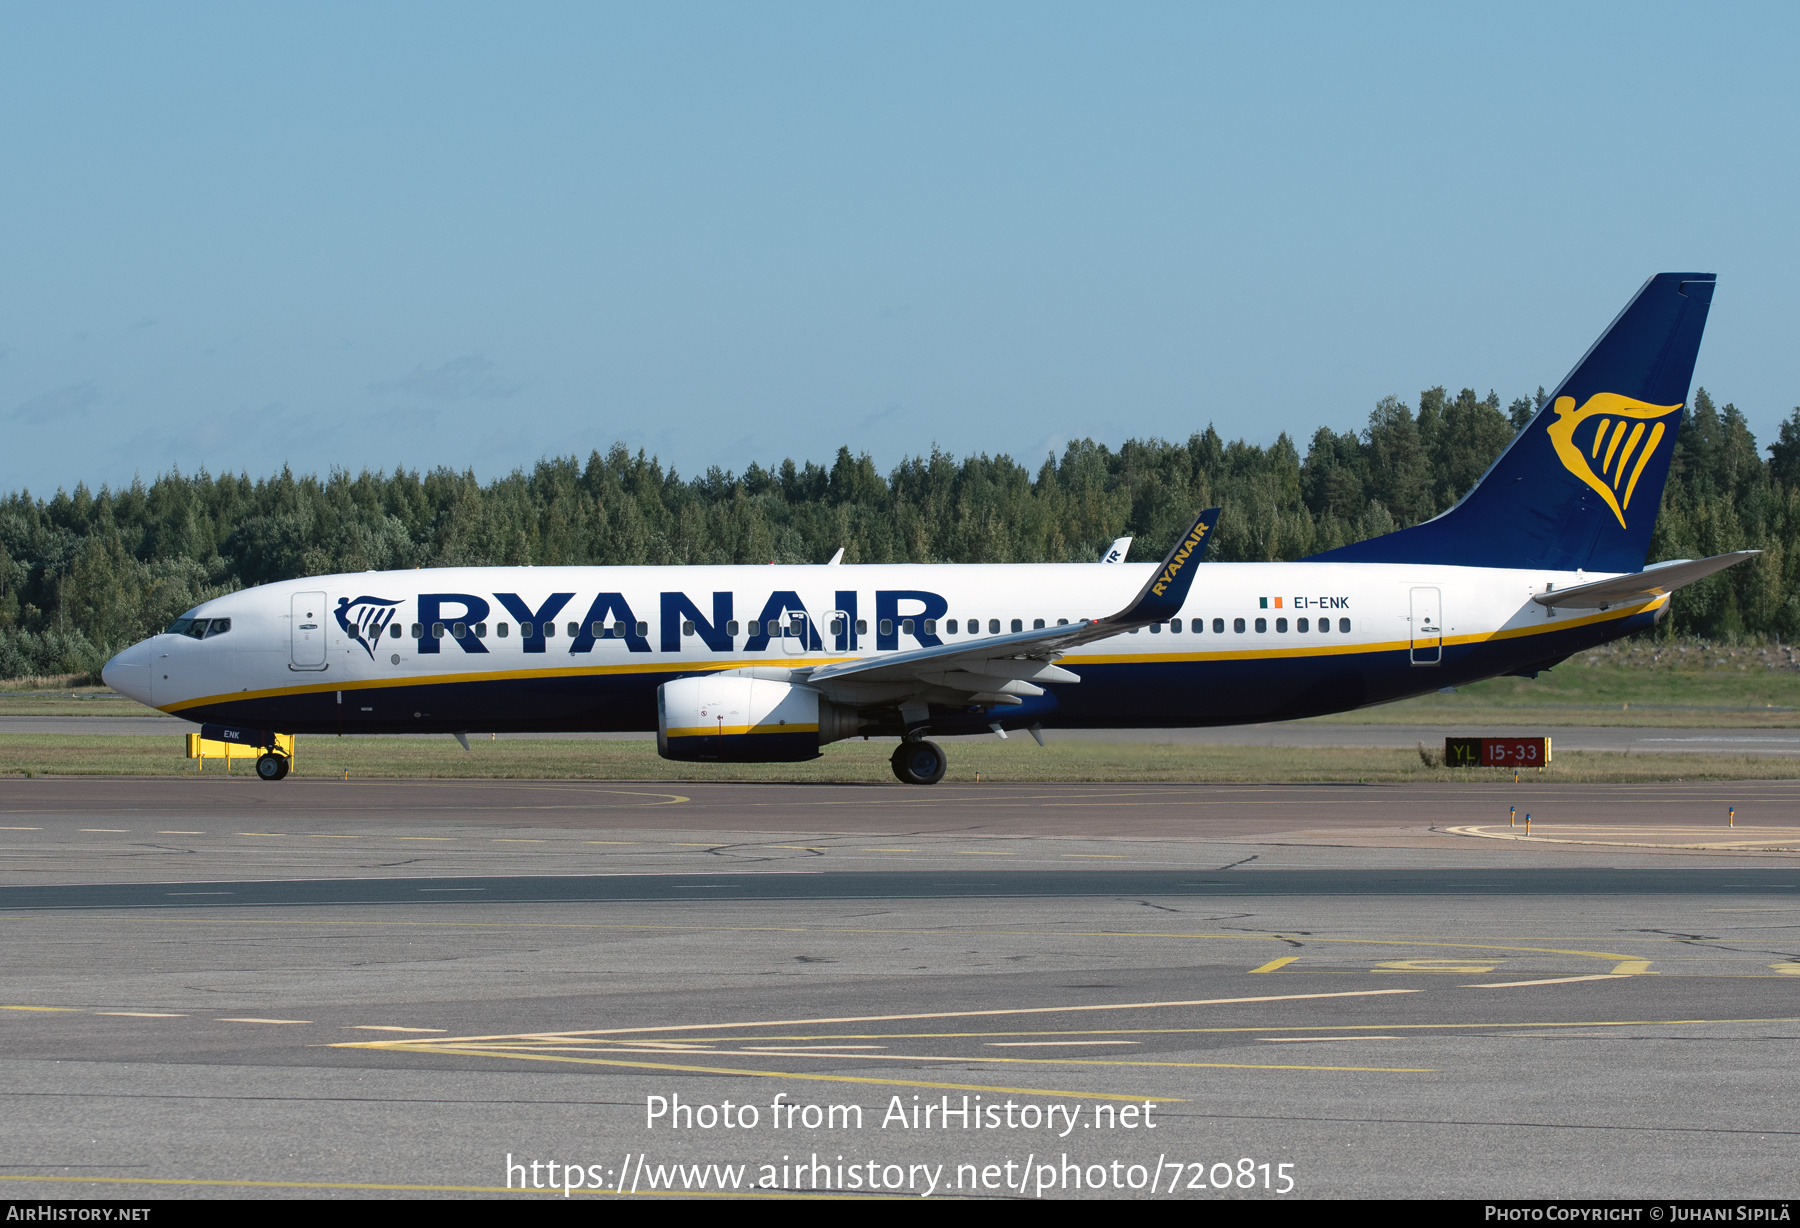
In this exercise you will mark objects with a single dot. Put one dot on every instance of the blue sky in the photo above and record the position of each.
(376, 234)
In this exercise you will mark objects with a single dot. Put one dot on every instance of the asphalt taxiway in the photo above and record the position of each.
(327, 988)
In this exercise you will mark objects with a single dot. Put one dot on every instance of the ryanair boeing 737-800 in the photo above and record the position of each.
(1542, 558)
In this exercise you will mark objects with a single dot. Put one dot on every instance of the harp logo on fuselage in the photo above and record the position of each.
(364, 619)
(1618, 443)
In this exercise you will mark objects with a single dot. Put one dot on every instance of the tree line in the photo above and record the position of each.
(84, 573)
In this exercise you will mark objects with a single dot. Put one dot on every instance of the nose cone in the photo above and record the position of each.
(129, 672)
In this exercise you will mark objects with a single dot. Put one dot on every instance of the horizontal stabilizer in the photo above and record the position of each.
(1640, 586)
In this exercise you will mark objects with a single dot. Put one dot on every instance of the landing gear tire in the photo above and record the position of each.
(919, 763)
(272, 766)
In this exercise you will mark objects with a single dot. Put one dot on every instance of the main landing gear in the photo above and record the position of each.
(271, 766)
(919, 763)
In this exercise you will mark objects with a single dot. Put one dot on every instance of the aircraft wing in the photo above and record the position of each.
(1650, 582)
(1000, 668)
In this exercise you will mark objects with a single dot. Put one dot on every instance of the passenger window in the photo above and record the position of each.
(1037, 624)
(1175, 626)
(906, 626)
(460, 630)
(1018, 624)
(548, 630)
(1344, 625)
(418, 632)
(887, 626)
(1262, 626)
(731, 628)
(481, 631)
(643, 629)
(1324, 626)
(437, 631)
(1281, 626)
(525, 630)
(1301, 625)
(1062, 622)
(394, 631)
(862, 626)
(993, 626)
(1237, 625)
(931, 626)
(1155, 628)
(1219, 626)
(500, 629)
(837, 626)
(687, 628)
(950, 627)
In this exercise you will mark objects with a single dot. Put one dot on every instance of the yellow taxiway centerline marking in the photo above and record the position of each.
(142, 1014)
(76, 1009)
(181, 833)
(1296, 1040)
(248, 1019)
(21, 829)
(1275, 965)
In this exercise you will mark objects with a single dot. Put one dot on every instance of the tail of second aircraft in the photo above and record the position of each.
(1578, 488)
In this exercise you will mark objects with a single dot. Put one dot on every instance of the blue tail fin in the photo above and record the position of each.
(1579, 488)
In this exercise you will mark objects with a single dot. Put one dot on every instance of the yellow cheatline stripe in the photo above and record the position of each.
(706, 731)
(689, 667)
(1340, 650)
(556, 1191)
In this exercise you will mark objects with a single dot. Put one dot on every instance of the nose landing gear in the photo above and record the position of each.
(919, 763)
(271, 766)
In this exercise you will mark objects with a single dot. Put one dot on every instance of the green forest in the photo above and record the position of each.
(84, 573)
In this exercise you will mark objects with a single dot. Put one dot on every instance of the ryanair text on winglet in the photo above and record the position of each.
(1194, 538)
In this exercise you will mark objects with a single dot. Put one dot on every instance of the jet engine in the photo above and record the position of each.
(748, 720)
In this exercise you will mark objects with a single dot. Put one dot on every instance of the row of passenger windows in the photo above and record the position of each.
(200, 628)
(1197, 626)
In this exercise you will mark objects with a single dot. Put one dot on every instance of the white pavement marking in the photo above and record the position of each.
(1561, 980)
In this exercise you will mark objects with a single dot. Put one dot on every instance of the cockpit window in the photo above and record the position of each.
(199, 628)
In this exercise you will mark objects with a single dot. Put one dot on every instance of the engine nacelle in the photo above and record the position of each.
(732, 717)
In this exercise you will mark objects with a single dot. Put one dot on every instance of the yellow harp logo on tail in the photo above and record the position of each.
(1617, 443)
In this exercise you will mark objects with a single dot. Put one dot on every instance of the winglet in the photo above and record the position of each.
(1167, 590)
